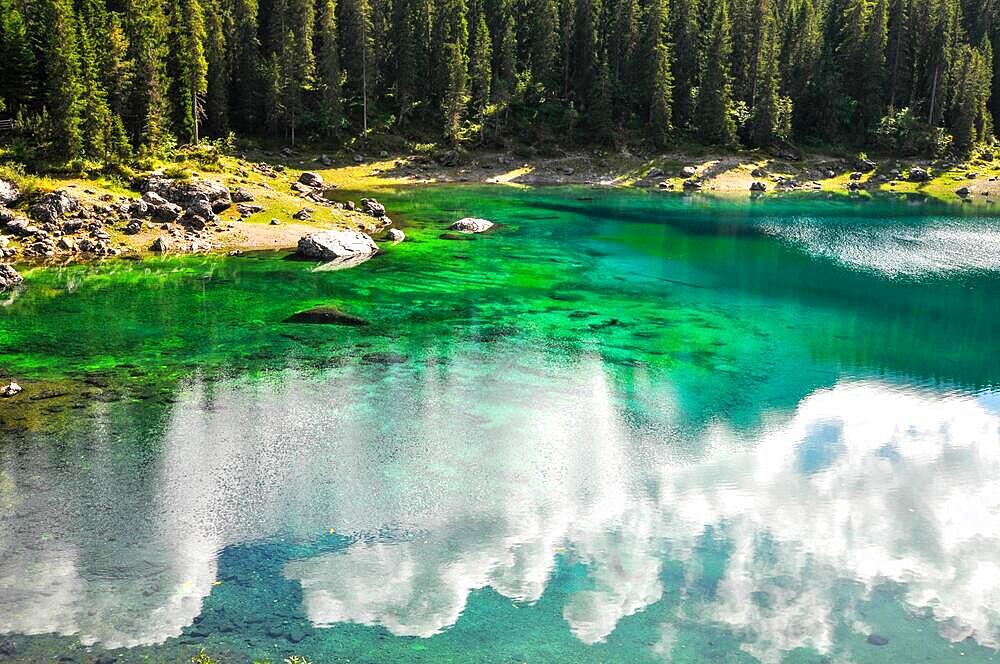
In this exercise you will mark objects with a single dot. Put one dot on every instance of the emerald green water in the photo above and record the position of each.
(621, 428)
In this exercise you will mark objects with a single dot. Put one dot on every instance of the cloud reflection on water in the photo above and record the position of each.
(487, 473)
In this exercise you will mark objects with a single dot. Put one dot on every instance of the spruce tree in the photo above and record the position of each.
(328, 72)
(19, 83)
(687, 61)
(455, 95)
(217, 72)
(586, 63)
(480, 61)
(713, 115)
(62, 69)
(147, 31)
(500, 21)
(245, 67)
(543, 43)
(764, 129)
(657, 80)
(190, 68)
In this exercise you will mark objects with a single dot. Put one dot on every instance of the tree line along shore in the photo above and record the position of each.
(111, 81)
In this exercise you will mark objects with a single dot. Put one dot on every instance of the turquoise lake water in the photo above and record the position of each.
(623, 427)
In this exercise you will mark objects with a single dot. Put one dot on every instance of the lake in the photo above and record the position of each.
(623, 427)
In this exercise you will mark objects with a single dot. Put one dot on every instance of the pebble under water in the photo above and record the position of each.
(620, 427)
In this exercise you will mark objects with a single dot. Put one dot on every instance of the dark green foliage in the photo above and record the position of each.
(713, 115)
(102, 78)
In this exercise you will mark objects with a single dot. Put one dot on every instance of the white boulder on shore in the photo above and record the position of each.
(11, 390)
(471, 225)
(342, 247)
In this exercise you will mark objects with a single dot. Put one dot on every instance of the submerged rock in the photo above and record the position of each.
(327, 316)
(471, 225)
(395, 235)
(336, 244)
(877, 640)
(9, 278)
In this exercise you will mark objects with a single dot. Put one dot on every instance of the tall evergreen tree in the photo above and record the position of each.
(328, 72)
(19, 84)
(63, 96)
(687, 61)
(147, 30)
(713, 115)
(480, 60)
(217, 70)
(544, 43)
(190, 68)
(244, 64)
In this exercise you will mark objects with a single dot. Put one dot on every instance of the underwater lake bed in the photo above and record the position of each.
(622, 426)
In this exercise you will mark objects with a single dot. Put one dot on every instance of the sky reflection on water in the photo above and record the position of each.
(459, 478)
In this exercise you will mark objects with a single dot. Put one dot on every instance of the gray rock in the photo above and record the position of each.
(133, 227)
(395, 235)
(188, 192)
(691, 183)
(160, 245)
(241, 195)
(471, 225)
(8, 391)
(9, 278)
(138, 208)
(865, 165)
(275, 222)
(918, 174)
(50, 207)
(302, 214)
(247, 210)
(310, 179)
(963, 191)
(759, 173)
(689, 171)
(66, 244)
(22, 227)
(336, 244)
(372, 207)
(857, 175)
(9, 193)
(758, 186)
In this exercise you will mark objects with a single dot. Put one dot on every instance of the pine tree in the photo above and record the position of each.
(147, 30)
(766, 116)
(412, 57)
(190, 68)
(217, 72)
(687, 62)
(19, 83)
(356, 40)
(328, 72)
(500, 21)
(62, 69)
(455, 95)
(586, 64)
(103, 137)
(480, 61)
(713, 115)
(243, 46)
(658, 81)
(543, 43)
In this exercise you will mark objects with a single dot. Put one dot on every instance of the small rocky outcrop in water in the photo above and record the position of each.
(395, 235)
(471, 225)
(327, 316)
(9, 278)
(336, 245)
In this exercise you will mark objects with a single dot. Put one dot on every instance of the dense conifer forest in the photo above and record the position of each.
(110, 79)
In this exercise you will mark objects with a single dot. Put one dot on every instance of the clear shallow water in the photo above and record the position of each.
(626, 428)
